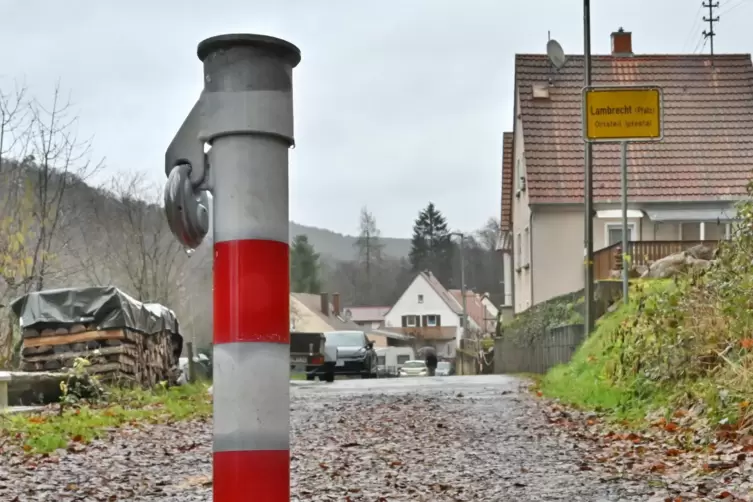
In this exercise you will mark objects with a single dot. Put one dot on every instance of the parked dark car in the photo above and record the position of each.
(306, 352)
(346, 353)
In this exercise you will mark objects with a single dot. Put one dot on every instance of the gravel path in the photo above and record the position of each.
(432, 439)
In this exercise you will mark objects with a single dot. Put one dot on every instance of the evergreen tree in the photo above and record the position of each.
(304, 266)
(431, 246)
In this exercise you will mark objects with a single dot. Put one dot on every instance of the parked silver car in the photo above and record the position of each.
(414, 369)
(444, 368)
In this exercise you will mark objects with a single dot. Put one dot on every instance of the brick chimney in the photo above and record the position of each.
(324, 303)
(622, 43)
(336, 303)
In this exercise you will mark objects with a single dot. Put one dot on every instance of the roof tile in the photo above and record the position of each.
(707, 150)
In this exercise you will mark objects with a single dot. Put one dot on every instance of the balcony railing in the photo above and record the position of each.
(640, 252)
(428, 332)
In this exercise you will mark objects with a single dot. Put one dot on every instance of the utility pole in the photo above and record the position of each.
(462, 286)
(245, 114)
(588, 178)
(625, 228)
(711, 20)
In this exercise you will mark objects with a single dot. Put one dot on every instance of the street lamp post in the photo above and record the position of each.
(462, 285)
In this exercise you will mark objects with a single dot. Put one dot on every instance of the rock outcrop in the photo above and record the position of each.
(698, 257)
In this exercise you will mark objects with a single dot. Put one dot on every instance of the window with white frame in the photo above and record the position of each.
(518, 251)
(420, 298)
(410, 321)
(526, 248)
(431, 320)
(613, 233)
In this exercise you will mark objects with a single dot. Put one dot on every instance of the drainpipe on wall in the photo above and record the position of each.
(530, 252)
(512, 272)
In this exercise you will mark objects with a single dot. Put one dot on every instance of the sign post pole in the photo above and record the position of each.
(625, 235)
(245, 115)
(623, 114)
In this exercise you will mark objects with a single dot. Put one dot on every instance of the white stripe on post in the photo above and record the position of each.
(255, 408)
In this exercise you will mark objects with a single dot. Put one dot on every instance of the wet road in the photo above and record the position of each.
(435, 439)
(422, 439)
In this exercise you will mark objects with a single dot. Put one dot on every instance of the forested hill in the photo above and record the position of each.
(340, 247)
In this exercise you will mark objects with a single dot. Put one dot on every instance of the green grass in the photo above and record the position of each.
(47, 432)
(297, 375)
(586, 381)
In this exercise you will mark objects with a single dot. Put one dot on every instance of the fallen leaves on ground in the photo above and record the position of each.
(434, 444)
(679, 453)
(471, 439)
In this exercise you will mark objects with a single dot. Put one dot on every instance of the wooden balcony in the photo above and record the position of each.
(428, 332)
(641, 253)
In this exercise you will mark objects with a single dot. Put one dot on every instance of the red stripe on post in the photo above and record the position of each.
(251, 291)
(251, 476)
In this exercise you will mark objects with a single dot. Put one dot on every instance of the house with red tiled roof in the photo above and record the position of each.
(428, 312)
(479, 310)
(371, 317)
(681, 190)
(313, 313)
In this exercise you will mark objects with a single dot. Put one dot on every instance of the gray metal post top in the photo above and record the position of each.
(276, 47)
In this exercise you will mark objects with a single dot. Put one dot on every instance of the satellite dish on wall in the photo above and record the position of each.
(556, 54)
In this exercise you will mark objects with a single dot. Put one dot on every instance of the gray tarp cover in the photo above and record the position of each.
(107, 307)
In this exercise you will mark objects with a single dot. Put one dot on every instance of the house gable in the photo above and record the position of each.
(422, 297)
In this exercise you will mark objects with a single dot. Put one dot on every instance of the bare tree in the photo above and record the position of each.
(57, 162)
(369, 258)
(368, 244)
(14, 126)
(141, 254)
(17, 231)
(488, 235)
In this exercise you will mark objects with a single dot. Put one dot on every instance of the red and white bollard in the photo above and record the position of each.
(246, 114)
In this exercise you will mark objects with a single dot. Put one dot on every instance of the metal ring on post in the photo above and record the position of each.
(186, 210)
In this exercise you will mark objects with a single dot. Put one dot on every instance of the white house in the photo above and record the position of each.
(427, 311)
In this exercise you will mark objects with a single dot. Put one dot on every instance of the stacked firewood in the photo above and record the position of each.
(115, 355)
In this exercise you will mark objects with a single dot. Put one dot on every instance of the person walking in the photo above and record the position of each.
(429, 355)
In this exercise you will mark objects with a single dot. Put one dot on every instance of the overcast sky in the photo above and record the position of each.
(398, 102)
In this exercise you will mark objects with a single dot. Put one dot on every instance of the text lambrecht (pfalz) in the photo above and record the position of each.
(622, 114)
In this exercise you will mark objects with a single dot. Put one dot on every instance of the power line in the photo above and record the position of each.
(693, 29)
(735, 6)
(701, 40)
(705, 41)
(711, 20)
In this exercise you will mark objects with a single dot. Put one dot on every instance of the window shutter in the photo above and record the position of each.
(405, 321)
(439, 320)
(423, 321)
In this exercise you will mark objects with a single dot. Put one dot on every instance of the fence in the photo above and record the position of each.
(468, 360)
(555, 346)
